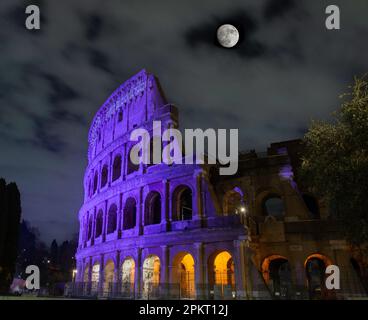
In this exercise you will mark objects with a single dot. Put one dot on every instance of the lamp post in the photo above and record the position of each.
(74, 274)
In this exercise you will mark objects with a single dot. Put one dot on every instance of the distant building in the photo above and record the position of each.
(184, 231)
(10, 212)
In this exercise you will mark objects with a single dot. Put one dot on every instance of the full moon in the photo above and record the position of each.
(227, 35)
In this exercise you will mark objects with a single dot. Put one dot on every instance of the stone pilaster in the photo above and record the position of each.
(93, 226)
(164, 272)
(81, 229)
(117, 273)
(110, 170)
(124, 162)
(165, 206)
(99, 167)
(89, 280)
(140, 212)
(138, 273)
(101, 276)
(200, 279)
(240, 269)
(104, 222)
(119, 225)
(197, 197)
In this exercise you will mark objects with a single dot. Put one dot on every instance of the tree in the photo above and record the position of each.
(31, 251)
(10, 213)
(335, 162)
(54, 253)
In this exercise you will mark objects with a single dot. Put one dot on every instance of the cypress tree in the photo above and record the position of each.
(10, 213)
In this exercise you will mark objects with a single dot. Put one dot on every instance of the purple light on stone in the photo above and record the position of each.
(286, 172)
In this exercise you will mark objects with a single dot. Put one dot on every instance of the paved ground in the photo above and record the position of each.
(31, 297)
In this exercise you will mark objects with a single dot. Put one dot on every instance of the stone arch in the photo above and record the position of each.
(273, 205)
(116, 167)
(312, 206)
(108, 277)
(233, 201)
(99, 224)
(276, 272)
(262, 194)
(182, 203)
(104, 175)
(315, 267)
(326, 260)
(112, 219)
(151, 275)
(221, 274)
(183, 274)
(153, 207)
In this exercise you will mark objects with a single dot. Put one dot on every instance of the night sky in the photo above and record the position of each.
(286, 70)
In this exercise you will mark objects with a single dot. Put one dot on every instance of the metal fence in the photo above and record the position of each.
(94, 290)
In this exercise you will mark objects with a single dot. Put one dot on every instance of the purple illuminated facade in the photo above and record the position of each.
(157, 223)
(183, 231)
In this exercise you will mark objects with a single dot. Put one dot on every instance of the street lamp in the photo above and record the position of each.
(74, 274)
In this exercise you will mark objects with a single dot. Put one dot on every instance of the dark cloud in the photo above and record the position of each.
(60, 91)
(278, 8)
(44, 137)
(94, 25)
(99, 60)
(289, 50)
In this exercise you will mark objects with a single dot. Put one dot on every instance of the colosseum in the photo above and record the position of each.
(186, 232)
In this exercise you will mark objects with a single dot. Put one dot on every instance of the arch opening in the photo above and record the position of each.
(112, 219)
(130, 212)
(89, 235)
(153, 209)
(273, 206)
(131, 167)
(182, 204)
(221, 275)
(95, 277)
(116, 170)
(154, 146)
(151, 275)
(120, 116)
(86, 274)
(277, 275)
(128, 276)
(99, 223)
(108, 277)
(104, 175)
(315, 267)
(184, 274)
(95, 182)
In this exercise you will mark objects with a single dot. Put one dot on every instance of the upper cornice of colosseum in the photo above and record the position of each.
(125, 93)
